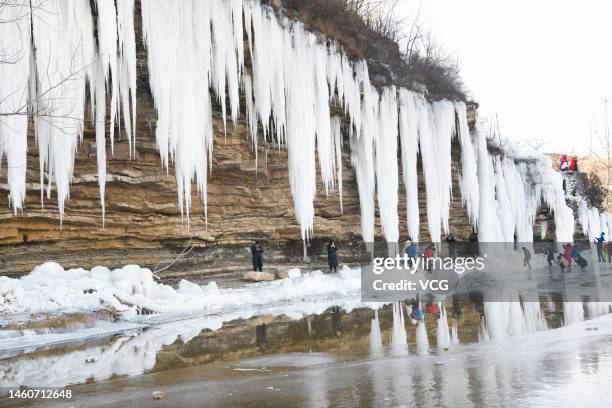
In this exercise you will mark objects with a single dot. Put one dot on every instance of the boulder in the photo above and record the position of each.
(258, 276)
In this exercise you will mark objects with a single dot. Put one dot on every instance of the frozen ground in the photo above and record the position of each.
(566, 367)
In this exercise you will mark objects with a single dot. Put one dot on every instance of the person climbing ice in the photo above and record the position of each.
(332, 256)
(257, 256)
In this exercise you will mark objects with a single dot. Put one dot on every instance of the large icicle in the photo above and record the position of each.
(300, 79)
(127, 68)
(174, 32)
(14, 48)
(444, 117)
(469, 168)
(362, 157)
(386, 164)
(64, 60)
(337, 141)
(428, 147)
(107, 48)
(409, 137)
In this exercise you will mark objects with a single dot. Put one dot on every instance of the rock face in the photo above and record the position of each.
(247, 200)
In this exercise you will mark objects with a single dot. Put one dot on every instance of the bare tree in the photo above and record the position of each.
(537, 144)
(602, 152)
(36, 101)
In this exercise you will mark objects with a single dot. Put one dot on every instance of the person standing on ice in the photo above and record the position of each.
(428, 254)
(562, 262)
(411, 250)
(527, 258)
(550, 256)
(257, 256)
(599, 245)
(332, 256)
(452, 246)
(567, 253)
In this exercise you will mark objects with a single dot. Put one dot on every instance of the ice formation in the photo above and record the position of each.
(196, 58)
(50, 288)
(55, 60)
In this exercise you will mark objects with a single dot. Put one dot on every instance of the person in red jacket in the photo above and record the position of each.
(573, 166)
(567, 253)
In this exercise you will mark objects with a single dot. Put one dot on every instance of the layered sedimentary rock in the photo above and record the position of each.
(257, 172)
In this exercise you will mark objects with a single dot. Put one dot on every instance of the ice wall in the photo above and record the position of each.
(53, 59)
(196, 57)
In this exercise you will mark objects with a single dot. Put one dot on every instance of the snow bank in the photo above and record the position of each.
(50, 288)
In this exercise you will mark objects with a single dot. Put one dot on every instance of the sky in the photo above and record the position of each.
(543, 67)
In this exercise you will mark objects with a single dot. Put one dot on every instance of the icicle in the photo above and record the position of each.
(386, 164)
(409, 138)
(362, 158)
(251, 114)
(100, 136)
(15, 48)
(444, 114)
(487, 224)
(64, 60)
(225, 65)
(469, 177)
(337, 141)
(127, 68)
(178, 76)
(300, 81)
(325, 144)
(428, 147)
(107, 44)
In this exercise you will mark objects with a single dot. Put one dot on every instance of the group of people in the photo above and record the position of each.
(257, 256)
(568, 165)
(571, 253)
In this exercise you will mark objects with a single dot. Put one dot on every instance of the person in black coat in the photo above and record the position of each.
(332, 256)
(452, 246)
(257, 256)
